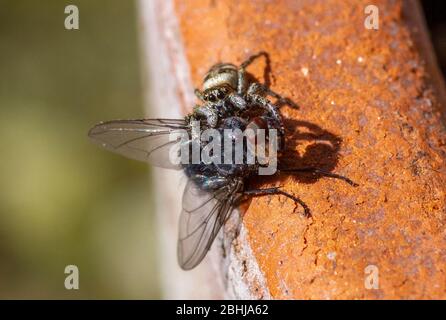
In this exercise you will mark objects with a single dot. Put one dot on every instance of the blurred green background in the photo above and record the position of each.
(63, 200)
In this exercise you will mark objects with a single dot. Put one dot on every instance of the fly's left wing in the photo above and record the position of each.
(151, 140)
(203, 214)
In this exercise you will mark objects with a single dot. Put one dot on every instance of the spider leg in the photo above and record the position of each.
(274, 119)
(241, 81)
(208, 113)
(199, 94)
(241, 73)
(237, 101)
(261, 89)
(248, 61)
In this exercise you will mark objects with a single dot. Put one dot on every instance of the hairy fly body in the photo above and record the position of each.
(230, 102)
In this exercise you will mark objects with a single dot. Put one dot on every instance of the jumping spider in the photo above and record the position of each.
(227, 92)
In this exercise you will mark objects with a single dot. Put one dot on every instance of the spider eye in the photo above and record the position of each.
(221, 94)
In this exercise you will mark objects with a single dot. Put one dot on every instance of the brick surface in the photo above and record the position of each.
(367, 111)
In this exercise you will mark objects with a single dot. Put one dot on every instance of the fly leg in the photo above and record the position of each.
(316, 171)
(277, 191)
(232, 229)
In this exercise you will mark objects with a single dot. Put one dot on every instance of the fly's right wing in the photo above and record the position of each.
(156, 141)
(203, 214)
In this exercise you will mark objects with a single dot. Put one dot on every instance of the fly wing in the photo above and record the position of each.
(203, 215)
(155, 141)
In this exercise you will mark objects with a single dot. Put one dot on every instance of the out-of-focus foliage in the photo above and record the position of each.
(63, 200)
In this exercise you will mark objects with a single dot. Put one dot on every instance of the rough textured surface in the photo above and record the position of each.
(368, 112)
